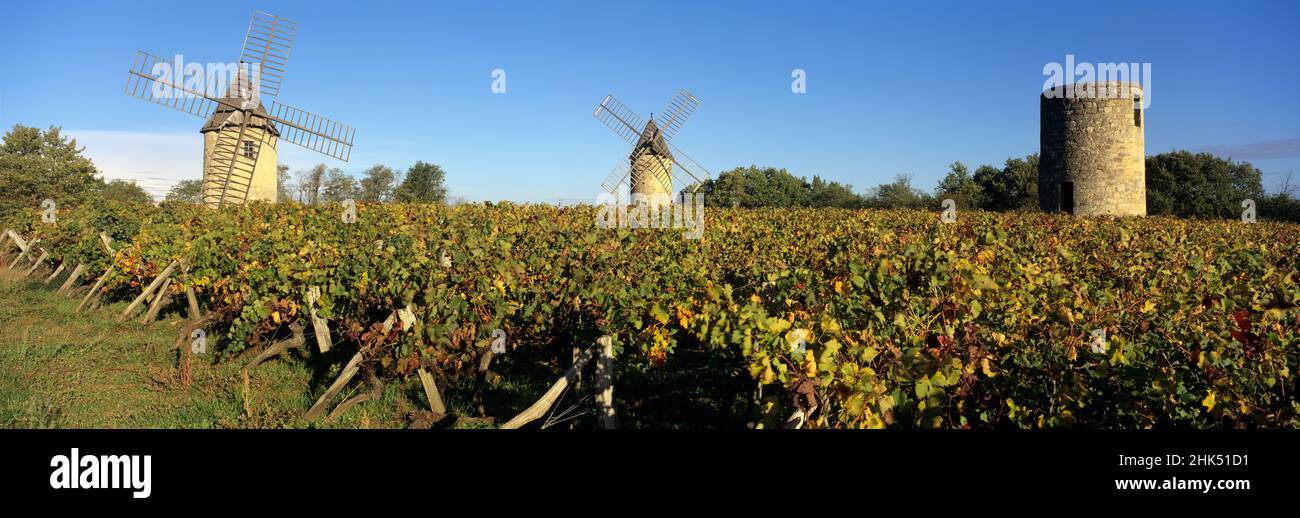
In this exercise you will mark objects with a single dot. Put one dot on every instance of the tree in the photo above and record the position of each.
(899, 194)
(1014, 187)
(283, 186)
(1199, 185)
(338, 186)
(186, 191)
(753, 186)
(378, 184)
(832, 194)
(309, 184)
(961, 187)
(423, 184)
(36, 165)
(126, 192)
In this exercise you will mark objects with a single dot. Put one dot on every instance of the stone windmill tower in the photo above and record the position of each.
(1093, 156)
(655, 165)
(650, 161)
(254, 138)
(240, 135)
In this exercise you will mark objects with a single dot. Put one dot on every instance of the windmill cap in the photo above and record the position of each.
(227, 115)
(654, 139)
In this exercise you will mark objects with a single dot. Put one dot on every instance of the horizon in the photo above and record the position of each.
(890, 90)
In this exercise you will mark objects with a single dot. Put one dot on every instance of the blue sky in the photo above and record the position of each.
(892, 87)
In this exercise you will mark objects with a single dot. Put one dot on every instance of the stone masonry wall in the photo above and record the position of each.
(1092, 135)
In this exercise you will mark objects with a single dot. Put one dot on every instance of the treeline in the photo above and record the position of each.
(421, 183)
(1179, 183)
(36, 165)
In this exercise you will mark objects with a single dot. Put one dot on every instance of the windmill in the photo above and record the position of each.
(240, 136)
(655, 164)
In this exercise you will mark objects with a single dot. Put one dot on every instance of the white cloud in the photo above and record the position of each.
(154, 161)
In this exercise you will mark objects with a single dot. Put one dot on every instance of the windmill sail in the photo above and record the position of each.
(164, 90)
(620, 119)
(267, 43)
(695, 173)
(680, 108)
(319, 134)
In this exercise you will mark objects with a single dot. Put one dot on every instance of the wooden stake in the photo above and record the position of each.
(108, 243)
(20, 257)
(159, 300)
(95, 289)
(431, 392)
(605, 383)
(319, 325)
(56, 273)
(539, 408)
(349, 371)
(72, 279)
(152, 286)
(193, 302)
(37, 264)
(376, 390)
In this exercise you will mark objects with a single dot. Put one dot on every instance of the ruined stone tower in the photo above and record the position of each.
(1093, 156)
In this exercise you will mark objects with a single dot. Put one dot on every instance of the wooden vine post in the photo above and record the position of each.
(18, 242)
(538, 409)
(193, 302)
(72, 278)
(431, 392)
(159, 300)
(319, 325)
(349, 371)
(353, 366)
(44, 255)
(56, 273)
(94, 290)
(605, 383)
(25, 248)
(152, 286)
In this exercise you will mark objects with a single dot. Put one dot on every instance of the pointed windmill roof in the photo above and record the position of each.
(652, 138)
(226, 115)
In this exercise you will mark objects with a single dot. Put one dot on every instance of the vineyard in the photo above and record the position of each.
(811, 318)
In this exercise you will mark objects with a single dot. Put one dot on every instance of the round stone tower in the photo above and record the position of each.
(652, 165)
(1093, 156)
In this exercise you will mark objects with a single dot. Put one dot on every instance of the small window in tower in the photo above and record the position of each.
(1137, 111)
(249, 150)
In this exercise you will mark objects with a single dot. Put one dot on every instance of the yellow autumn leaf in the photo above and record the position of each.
(809, 364)
(275, 316)
(988, 371)
(839, 286)
(1208, 402)
(1149, 306)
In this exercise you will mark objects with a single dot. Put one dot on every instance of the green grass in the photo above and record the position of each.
(60, 369)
